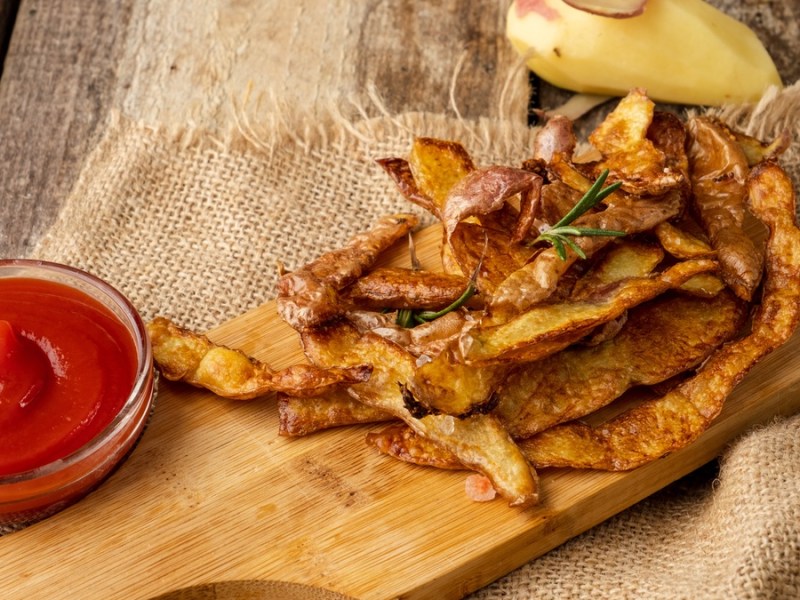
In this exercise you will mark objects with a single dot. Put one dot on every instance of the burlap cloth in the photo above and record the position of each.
(192, 227)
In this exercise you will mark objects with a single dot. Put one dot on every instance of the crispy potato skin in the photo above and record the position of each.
(662, 338)
(400, 441)
(395, 287)
(310, 296)
(182, 355)
(663, 425)
(480, 441)
(628, 153)
(437, 166)
(303, 416)
(718, 172)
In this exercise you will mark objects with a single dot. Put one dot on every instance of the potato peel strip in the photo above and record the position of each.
(663, 425)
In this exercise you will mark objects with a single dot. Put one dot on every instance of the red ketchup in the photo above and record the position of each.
(67, 366)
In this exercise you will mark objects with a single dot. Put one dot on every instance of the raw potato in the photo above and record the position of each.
(681, 51)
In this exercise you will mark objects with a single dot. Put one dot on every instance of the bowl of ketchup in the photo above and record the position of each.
(76, 386)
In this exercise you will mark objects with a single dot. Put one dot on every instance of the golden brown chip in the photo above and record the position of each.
(480, 441)
(627, 152)
(680, 243)
(562, 170)
(533, 334)
(668, 134)
(394, 287)
(485, 191)
(472, 245)
(182, 355)
(660, 426)
(400, 441)
(536, 280)
(437, 165)
(719, 172)
(555, 137)
(623, 260)
(660, 339)
(309, 296)
(400, 171)
(704, 285)
(302, 416)
(447, 385)
(529, 209)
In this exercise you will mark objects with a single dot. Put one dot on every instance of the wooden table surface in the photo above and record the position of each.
(68, 63)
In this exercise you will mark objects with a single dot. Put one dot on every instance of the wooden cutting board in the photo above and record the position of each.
(212, 493)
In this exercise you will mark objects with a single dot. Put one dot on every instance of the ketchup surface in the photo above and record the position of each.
(67, 366)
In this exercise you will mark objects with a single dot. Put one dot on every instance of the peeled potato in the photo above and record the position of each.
(680, 51)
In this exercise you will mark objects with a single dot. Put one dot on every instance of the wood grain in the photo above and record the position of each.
(212, 493)
(58, 78)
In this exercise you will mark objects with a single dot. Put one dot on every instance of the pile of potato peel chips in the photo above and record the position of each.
(490, 362)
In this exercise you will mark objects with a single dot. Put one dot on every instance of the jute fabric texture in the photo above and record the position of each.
(194, 227)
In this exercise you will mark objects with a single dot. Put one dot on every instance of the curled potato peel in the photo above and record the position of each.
(658, 427)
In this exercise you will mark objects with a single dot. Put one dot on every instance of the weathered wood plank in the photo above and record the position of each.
(59, 76)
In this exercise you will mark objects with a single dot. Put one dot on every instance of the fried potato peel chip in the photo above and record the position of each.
(628, 153)
(682, 244)
(535, 281)
(719, 170)
(303, 416)
(182, 355)
(438, 165)
(623, 260)
(534, 331)
(395, 287)
(660, 339)
(480, 442)
(484, 191)
(309, 296)
(663, 425)
(400, 441)
(447, 385)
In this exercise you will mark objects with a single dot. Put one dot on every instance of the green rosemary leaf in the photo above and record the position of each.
(557, 235)
(588, 201)
(600, 232)
(575, 248)
(405, 317)
(558, 245)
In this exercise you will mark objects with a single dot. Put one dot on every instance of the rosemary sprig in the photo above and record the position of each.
(408, 317)
(558, 234)
(429, 315)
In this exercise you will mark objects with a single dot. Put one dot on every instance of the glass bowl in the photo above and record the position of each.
(31, 495)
